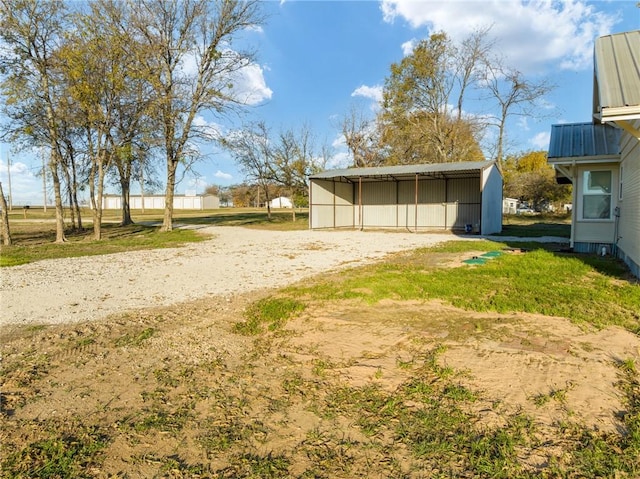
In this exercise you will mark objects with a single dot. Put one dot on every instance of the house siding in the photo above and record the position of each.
(629, 223)
(595, 231)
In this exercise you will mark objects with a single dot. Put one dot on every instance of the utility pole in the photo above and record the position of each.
(142, 185)
(9, 181)
(44, 182)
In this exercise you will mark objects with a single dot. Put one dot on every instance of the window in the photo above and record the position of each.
(620, 182)
(596, 195)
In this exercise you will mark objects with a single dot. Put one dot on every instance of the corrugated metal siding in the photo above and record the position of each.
(617, 68)
(322, 192)
(575, 140)
(344, 193)
(629, 223)
(465, 190)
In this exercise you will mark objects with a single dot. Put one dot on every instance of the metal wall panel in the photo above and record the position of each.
(322, 192)
(379, 216)
(322, 216)
(344, 216)
(464, 190)
(378, 193)
(429, 191)
(344, 193)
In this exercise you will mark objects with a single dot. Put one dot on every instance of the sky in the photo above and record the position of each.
(316, 60)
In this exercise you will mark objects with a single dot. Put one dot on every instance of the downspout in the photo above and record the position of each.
(574, 205)
(416, 206)
(446, 202)
(360, 203)
(310, 205)
(333, 195)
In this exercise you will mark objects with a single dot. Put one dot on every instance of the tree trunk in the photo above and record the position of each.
(6, 232)
(167, 222)
(60, 237)
(97, 211)
(126, 207)
(72, 211)
(74, 192)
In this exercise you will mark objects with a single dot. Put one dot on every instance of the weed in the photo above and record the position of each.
(272, 311)
(135, 339)
(251, 465)
(164, 420)
(66, 452)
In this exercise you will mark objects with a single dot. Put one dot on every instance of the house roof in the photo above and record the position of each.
(616, 86)
(584, 142)
(433, 170)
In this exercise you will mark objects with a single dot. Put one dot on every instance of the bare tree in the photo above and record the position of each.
(294, 159)
(360, 135)
(199, 33)
(514, 96)
(251, 147)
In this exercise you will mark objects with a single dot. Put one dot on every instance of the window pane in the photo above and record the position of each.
(597, 181)
(596, 207)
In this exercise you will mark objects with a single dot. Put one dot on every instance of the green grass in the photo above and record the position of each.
(536, 226)
(64, 453)
(118, 239)
(272, 312)
(582, 288)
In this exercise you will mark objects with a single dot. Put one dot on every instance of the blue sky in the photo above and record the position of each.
(318, 59)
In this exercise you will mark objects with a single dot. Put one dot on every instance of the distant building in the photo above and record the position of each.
(459, 197)
(509, 206)
(156, 202)
(281, 202)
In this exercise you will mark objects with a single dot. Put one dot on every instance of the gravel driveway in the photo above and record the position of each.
(236, 260)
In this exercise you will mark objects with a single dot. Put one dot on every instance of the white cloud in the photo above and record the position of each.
(408, 47)
(523, 123)
(208, 128)
(26, 187)
(372, 92)
(222, 175)
(531, 34)
(250, 86)
(339, 160)
(541, 140)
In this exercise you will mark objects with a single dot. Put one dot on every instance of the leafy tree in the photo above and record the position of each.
(32, 31)
(531, 179)
(197, 32)
(416, 122)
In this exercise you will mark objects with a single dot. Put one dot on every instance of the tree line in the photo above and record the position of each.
(114, 87)
(110, 85)
(423, 116)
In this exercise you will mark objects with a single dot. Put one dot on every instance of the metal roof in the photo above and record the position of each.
(616, 84)
(584, 141)
(432, 170)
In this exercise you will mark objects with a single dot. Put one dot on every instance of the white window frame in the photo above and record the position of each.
(620, 182)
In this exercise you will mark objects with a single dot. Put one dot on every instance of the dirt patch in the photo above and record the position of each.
(175, 389)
